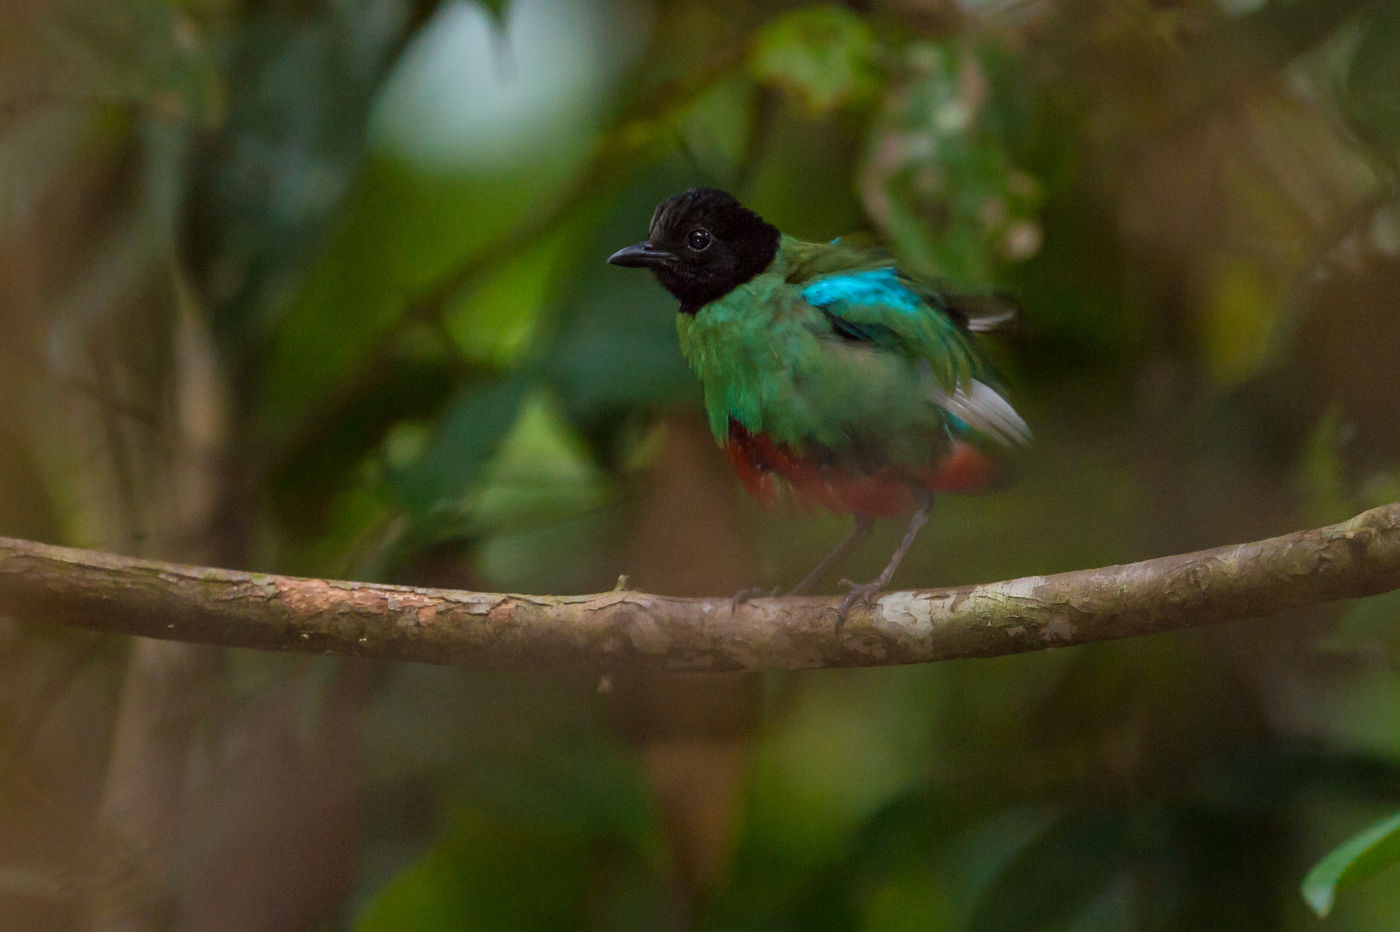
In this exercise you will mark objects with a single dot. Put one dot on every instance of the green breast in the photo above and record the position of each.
(770, 361)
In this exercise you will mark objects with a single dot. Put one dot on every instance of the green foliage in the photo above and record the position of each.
(825, 55)
(321, 288)
(488, 874)
(1057, 875)
(1366, 853)
(1371, 97)
(939, 175)
(463, 439)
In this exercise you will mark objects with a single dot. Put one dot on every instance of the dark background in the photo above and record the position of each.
(320, 288)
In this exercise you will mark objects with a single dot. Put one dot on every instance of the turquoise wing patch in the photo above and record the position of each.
(865, 288)
(876, 306)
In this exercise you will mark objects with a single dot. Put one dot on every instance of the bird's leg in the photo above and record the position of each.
(752, 592)
(864, 592)
(858, 533)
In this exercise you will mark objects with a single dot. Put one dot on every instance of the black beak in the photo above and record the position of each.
(641, 255)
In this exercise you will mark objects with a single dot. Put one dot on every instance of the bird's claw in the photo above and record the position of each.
(752, 592)
(860, 592)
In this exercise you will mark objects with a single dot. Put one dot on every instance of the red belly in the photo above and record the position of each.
(765, 466)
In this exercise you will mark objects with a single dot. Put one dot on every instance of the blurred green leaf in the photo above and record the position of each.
(277, 169)
(1239, 320)
(411, 385)
(1271, 777)
(342, 322)
(495, 322)
(497, 8)
(1366, 853)
(488, 873)
(541, 474)
(939, 177)
(449, 177)
(824, 55)
(1322, 474)
(912, 900)
(1049, 881)
(540, 493)
(471, 429)
(1368, 629)
(534, 786)
(1372, 96)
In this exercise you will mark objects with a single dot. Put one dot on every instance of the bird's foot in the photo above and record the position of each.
(752, 592)
(859, 593)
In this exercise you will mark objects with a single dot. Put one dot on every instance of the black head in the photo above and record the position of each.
(702, 245)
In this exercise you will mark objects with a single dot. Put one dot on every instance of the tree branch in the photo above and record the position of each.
(106, 592)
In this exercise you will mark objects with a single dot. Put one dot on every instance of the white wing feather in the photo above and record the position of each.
(987, 412)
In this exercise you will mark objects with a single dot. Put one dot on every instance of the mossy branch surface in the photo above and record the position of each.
(613, 630)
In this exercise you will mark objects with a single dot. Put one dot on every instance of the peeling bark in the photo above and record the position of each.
(617, 630)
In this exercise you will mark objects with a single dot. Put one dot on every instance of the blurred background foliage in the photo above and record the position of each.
(318, 286)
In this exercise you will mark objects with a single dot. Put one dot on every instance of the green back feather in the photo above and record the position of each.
(777, 364)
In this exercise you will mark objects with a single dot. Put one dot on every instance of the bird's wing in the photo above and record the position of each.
(978, 312)
(877, 305)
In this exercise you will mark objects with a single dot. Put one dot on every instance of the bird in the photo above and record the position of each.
(830, 374)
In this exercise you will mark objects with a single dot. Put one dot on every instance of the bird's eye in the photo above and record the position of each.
(698, 240)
